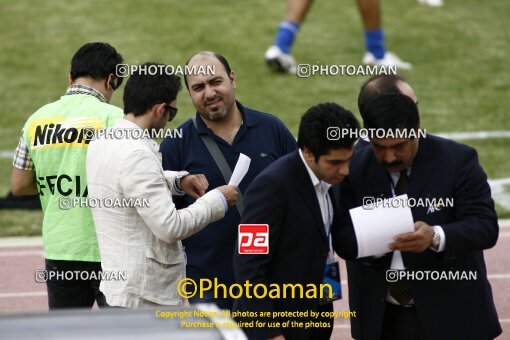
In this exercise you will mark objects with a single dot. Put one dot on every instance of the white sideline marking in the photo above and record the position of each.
(21, 241)
(471, 135)
(501, 191)
(22, 253)
(6, 154)
(504, 223)
(24, 294)
(498, 276)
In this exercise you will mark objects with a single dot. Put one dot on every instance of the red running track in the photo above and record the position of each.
(20, 293)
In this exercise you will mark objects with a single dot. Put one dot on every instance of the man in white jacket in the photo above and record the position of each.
(139, 230)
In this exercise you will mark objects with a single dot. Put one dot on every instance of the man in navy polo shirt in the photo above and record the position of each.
(234, 129)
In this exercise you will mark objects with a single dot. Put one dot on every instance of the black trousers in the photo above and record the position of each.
(324, 333)
(401, 323)
(71, 291)
(314, 333)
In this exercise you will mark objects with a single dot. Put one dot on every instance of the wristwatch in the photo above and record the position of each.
(180, 175)
(436, 239)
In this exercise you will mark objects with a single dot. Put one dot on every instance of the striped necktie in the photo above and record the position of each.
(400, 290)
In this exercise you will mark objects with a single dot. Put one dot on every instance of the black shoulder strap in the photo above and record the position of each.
(221, 162)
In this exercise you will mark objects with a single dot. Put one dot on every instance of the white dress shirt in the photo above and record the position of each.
(321, 190)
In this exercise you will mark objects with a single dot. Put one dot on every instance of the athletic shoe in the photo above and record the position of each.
(390, 58)
(279, 61)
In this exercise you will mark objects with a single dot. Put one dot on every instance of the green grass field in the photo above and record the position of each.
(459, 53)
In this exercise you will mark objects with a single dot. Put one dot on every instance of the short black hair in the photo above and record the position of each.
(145, 89)
(316, 124)
(218, 56)
(393, 111)
(96, 60)
(376, 86)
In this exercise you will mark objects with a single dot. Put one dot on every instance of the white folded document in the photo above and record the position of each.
(242, 167)
(376, 225)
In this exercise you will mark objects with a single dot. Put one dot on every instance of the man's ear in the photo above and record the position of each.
(69, 79)
(232, 78)
(111, 82)
(308, 154)
(158, 110)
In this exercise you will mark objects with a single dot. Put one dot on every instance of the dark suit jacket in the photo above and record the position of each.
(283, 197)
(459, 309)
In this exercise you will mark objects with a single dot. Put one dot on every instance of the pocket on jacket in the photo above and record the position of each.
(164, 268)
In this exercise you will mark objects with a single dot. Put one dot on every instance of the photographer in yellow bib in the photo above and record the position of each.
(50, 161)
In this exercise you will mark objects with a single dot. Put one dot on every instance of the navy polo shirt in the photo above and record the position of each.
(263, 138)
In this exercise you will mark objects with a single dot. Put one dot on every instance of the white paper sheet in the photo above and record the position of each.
(242, 166)
(375, 228)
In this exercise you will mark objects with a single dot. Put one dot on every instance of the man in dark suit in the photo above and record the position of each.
(448, 240)
(294, 197)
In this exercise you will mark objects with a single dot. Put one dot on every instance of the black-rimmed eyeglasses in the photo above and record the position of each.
(172, 110)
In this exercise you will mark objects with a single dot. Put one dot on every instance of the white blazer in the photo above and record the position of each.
(142, 241)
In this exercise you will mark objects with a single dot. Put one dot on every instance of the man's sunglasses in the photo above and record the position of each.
(172, 110)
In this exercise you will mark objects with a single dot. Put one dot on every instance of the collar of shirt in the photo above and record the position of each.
(317, 183)
(84, 89)
(248, 120)
(126, 124)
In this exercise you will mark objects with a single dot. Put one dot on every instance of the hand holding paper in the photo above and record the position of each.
(376, 228)
(415, 242)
